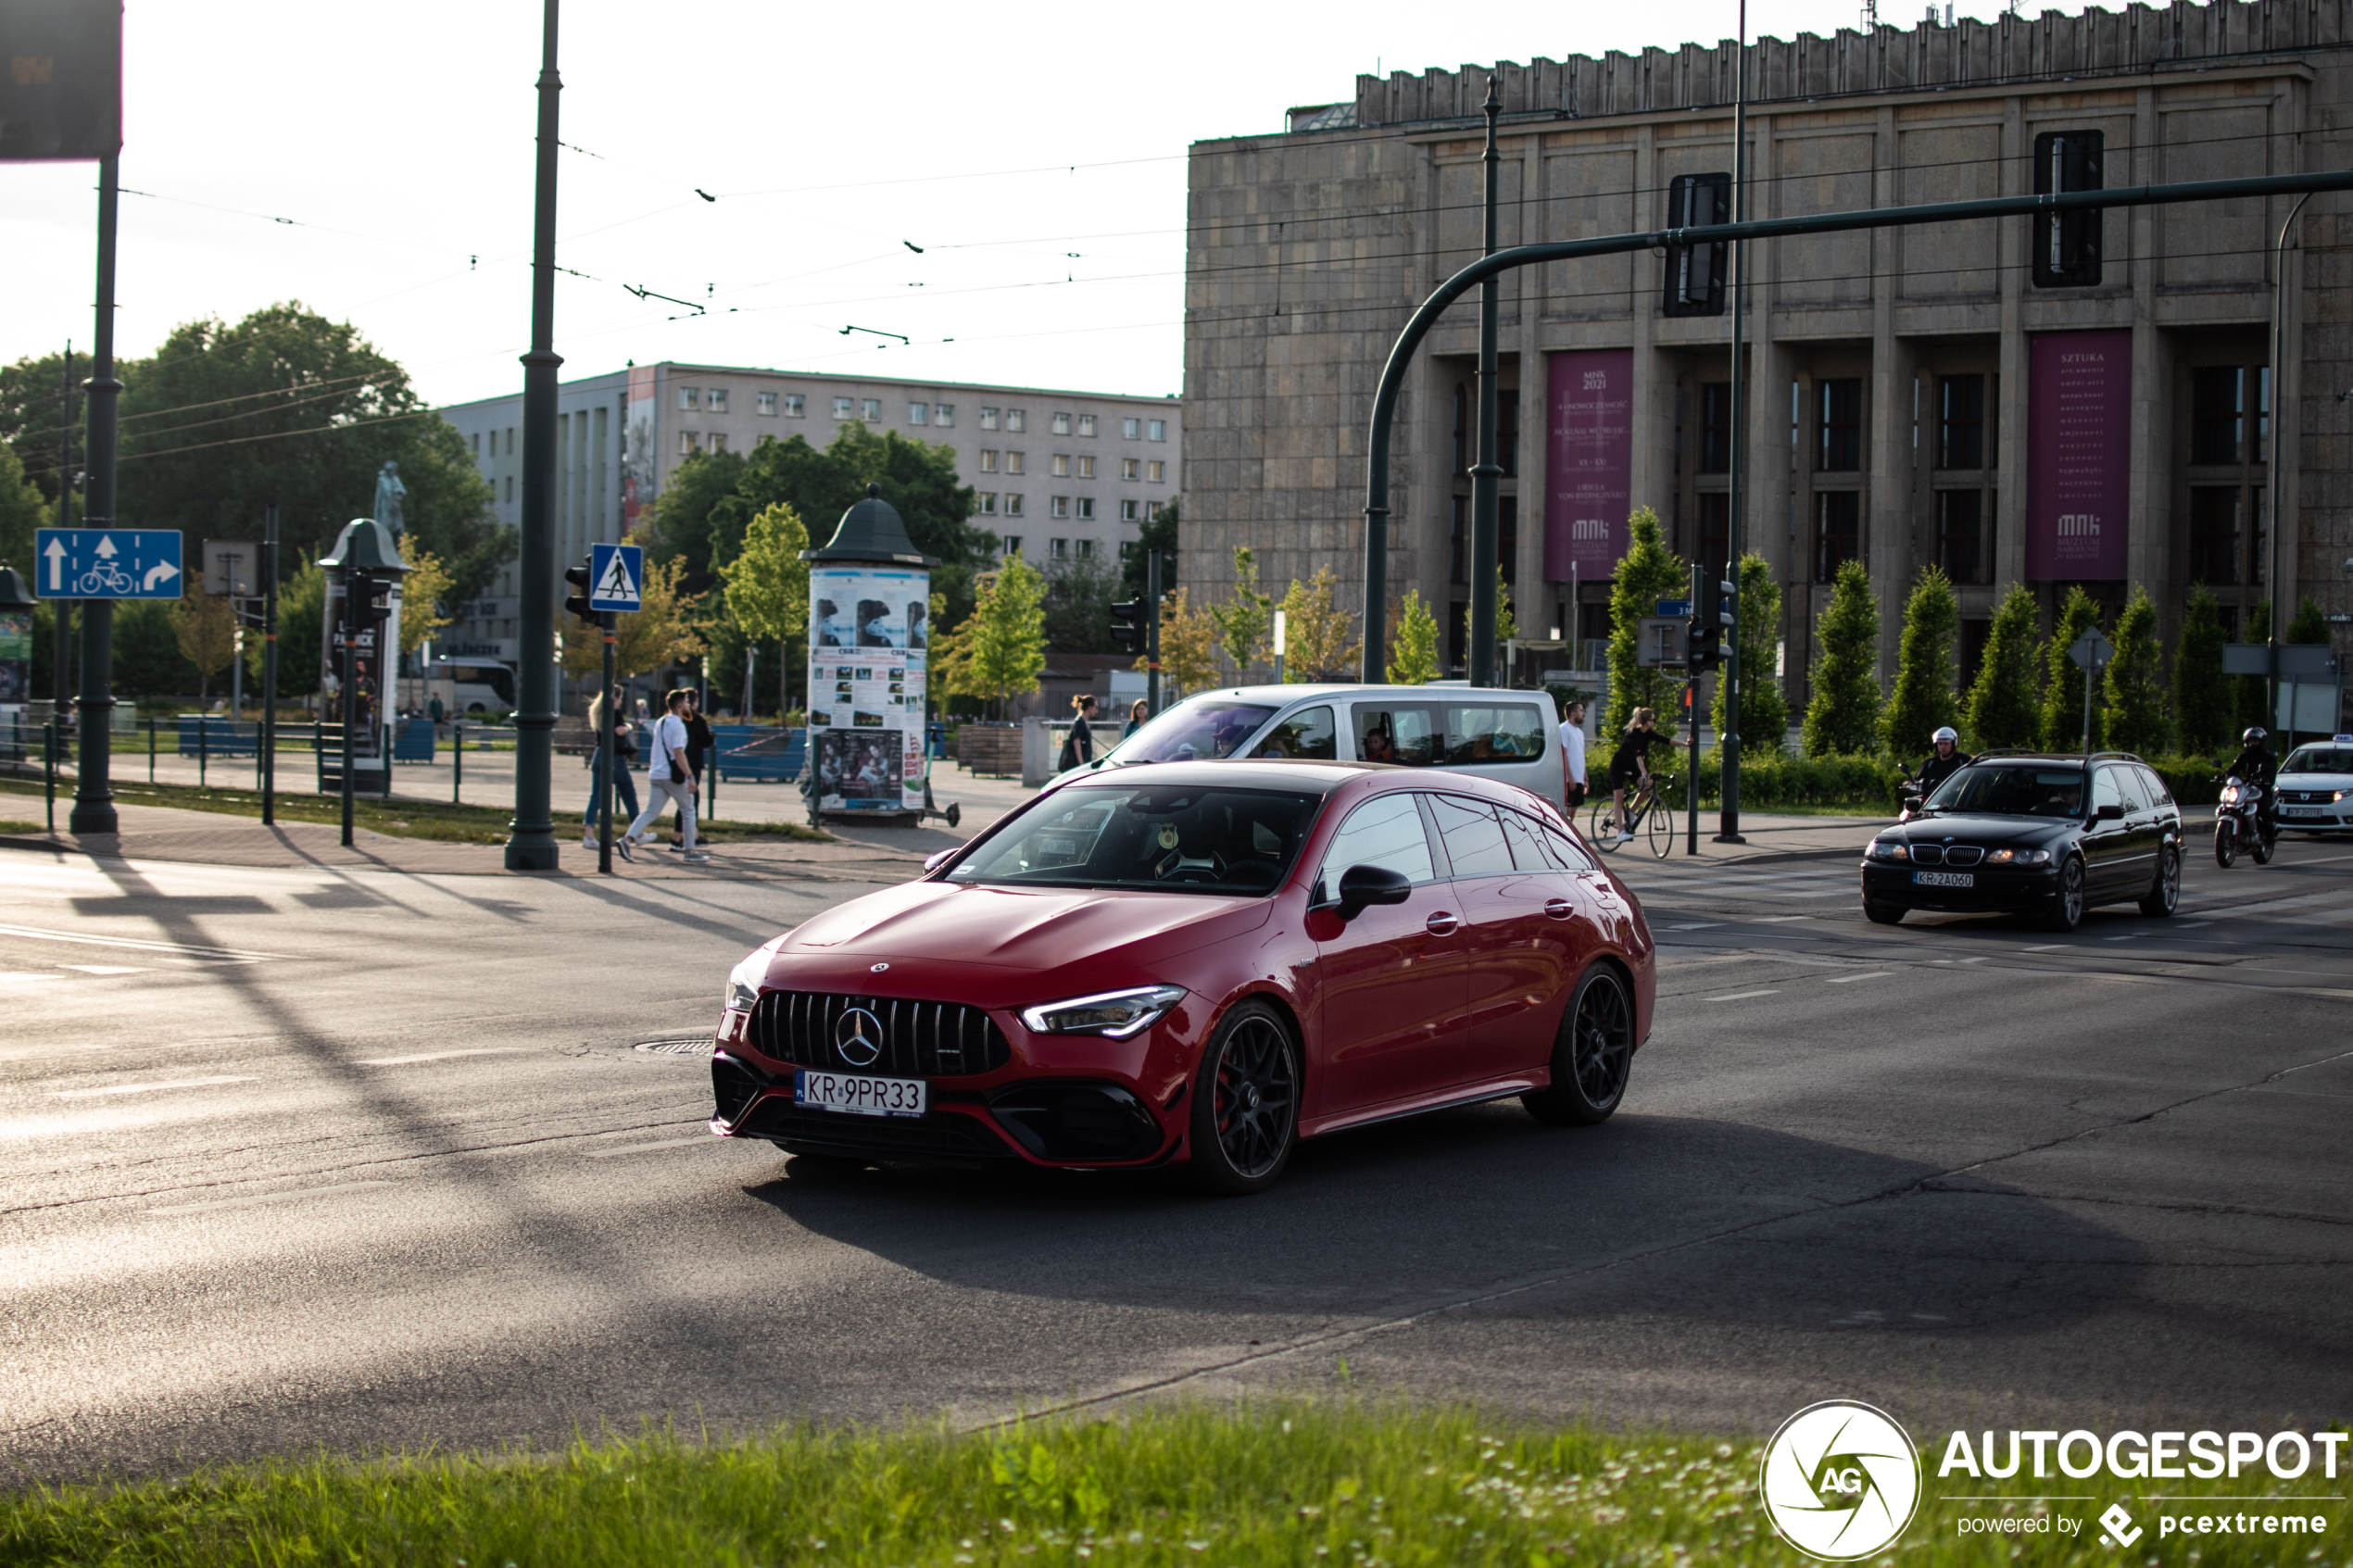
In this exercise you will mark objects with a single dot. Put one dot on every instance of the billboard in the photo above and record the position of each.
(869, 650)
(1590, 461)
(2078, 478)
(638, 447)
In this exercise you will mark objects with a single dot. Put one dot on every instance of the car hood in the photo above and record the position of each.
(1966, 827)
(1024, 927)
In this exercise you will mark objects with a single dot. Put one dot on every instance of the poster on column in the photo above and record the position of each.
(2079, 473)
(637, 449)
(1589, 465)
(869, 647)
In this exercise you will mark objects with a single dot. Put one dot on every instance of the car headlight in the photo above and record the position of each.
(744, 981)
(1888, 849)
(2018, 857)
(1114, 1014)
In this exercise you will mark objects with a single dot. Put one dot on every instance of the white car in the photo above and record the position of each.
(2316, 786)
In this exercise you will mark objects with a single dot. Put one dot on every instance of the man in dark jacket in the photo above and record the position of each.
(1944, 762)
(2256, 765)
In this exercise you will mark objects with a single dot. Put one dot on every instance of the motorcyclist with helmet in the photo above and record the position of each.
(2256, 765)
(1942, 763)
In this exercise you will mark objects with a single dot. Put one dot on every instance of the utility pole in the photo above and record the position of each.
(531, 845)
(1728, 745)
(270, 666)
(2272, 481)
(92, 797)
(1486, 474)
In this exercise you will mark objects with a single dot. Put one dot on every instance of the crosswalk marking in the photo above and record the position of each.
(435, 1056)
(226, 955)
(1739, 995)
(148, 1088)
(644, 1148)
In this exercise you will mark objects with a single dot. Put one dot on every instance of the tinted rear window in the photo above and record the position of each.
(1454, 735)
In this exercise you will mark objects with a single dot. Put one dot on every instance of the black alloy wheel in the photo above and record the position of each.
(2226, 843)
(1592, 1054)
(2165, 894)
(1882, 914)
(1245, 1116)
(2067, 904)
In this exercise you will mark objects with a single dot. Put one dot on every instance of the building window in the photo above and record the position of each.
(1156, 429)
(717, 402)
(1459, 540)
(1058, 549)
(843, 407)
(719, 441)
(1129, 469)
(2214, 534)
(1016, 418)
(511, 487)
(1085, 424)
(1060, 506)
(1013, 506)
(870, 410)
(1715, 530)
(1087, 508)
(689, 398)
(1014, 462)
(1507, 432)
(1838, 531)
(477, 441)
(1086, 549)
(988, 461)
(1127, 510)
(1130, 429)
(1127, 549)
(1086, 468)
(1155, 472)
(1152, 510)
(1462, 429)
(510, 441)
(687, 441)
(1062, 424)
(767, 438)
(764, 404)
(1840, 449)
(1061, 465)
(1960, 424)
(1010, 545)
(1715, 427)
(1962, 538)
(943, 415)
(796, 406)
(987, 419)
(988, 503)
(918, 413)
(2216, 393)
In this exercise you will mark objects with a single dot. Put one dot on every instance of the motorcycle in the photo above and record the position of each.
(2239, 824)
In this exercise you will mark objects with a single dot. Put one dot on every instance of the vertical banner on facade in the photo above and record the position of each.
(1588, 472)
(2079, 451)
(637, 448)
(869, 648)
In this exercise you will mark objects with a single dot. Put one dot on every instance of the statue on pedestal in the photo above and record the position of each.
(390, 493)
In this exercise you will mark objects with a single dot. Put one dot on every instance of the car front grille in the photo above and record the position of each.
(2308, 797)
(918, 1039)
(1946, 854)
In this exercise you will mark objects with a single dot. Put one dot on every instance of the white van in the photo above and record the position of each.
(1507, 735)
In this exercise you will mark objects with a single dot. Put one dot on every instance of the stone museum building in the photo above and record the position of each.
(1057, 475)
(1915, 396)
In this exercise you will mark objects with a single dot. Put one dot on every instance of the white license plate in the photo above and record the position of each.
(2299, 810)
(858, 1095)
(1945, 879)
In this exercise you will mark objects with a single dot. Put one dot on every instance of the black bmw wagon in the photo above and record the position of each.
(2036, 833)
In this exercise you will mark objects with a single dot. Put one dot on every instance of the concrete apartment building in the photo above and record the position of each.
(1059, 475)
(1913, 397)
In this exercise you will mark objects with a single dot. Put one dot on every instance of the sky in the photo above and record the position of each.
(376, 163)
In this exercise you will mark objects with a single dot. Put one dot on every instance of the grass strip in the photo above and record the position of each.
(395, 817)
(1274, 1482)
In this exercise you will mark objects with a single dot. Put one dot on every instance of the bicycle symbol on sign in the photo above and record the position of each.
(107, 579)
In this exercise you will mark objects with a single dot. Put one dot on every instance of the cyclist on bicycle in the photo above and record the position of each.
(1629, 766)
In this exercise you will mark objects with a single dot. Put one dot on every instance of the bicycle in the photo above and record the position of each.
(1647, 812)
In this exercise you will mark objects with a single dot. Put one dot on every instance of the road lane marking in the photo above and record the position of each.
(1777, 919)
(2050, 947)
(1697, 925)
(104, 968)
(230, 955)
(26, 974)
(261, 1197)
(1739, 996)
(646, 1147)
(1844, 979)
(2192, 924)
(147, 1088)
(435, 1056)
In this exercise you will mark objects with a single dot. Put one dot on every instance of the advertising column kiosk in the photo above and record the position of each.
(366, 546)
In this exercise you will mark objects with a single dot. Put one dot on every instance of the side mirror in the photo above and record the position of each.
(1364, 885)
(933, 862)
(1914, 802)
(2112, 812)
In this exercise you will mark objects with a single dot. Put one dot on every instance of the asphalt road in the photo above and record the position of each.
(304, 1158)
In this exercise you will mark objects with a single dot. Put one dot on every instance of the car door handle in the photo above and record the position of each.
(1559, 908)
(1442, 924)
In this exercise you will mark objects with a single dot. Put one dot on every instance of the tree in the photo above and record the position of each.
(765, 588)
(1159, 533)
(423, 593)
(663, 630)
(1412, 643)
(1646, 573)
(1316, 633)
(2134, 695)
(1923, 700)
(206, 627)
(1188, 643)
(22, 511)
(1756, 633)
(1843, 717)
(2201, 695)
(1243, 620)
(1078, 601)
(2063, 682)
(1003, 648)
(302, 631)
(147, 660)
(2310, 625)
(38, 404)
(2004, 705)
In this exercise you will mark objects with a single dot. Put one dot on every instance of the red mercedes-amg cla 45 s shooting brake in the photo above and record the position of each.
(1198, 964)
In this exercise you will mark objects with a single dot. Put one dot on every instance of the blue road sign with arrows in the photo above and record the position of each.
(106, 563)
(616, 578)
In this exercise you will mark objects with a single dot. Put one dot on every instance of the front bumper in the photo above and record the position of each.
(1989, 892)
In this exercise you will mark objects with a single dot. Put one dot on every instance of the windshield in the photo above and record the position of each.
(2022, 790)
(1175, 838)
(1197, 731)
(2319, 760)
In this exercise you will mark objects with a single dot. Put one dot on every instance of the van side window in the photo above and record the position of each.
(1478, 732)
(1385, 830)
(1306, 734)
(1407, 735)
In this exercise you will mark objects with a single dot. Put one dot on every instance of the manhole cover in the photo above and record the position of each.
(700, 1045)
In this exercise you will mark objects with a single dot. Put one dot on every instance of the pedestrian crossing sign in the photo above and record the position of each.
(616, 577)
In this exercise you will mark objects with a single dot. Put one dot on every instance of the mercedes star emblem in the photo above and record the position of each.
(858, 1036)
(876, 968)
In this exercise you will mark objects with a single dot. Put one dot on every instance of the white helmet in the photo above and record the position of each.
(1947, 732)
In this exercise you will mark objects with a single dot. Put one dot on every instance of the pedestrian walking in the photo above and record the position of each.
(1078, 748)
(671, 778)
(1137, 713)
(1573, 744)
(624, 751)
(698, 744)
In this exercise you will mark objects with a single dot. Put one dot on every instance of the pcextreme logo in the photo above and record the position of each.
(1840, 1481)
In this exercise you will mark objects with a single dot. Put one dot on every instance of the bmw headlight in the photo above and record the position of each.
(2018, 857)
(1114, 1014)
(744, 981)
(1888, 849)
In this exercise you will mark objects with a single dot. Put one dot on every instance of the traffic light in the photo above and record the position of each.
(1695, 273)
(366, 603)
(577, 604)
(2067, 244)
(1710, 628)
(1128, 625)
